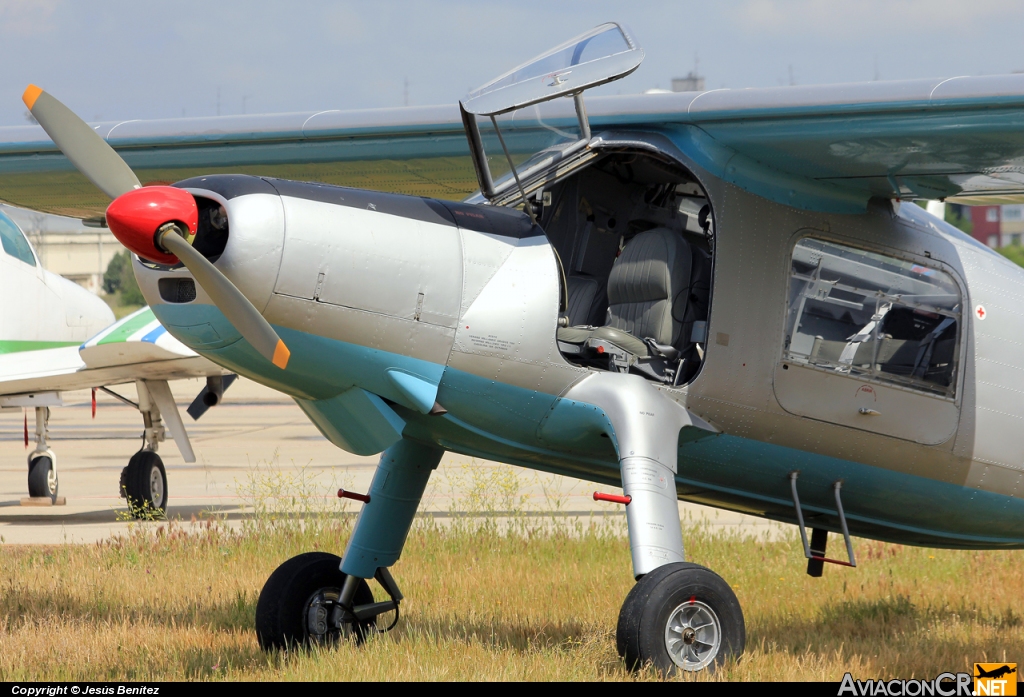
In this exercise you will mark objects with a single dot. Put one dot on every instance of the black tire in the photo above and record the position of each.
(282, 612)
(144, 484)
(42, 478)
(694, 591)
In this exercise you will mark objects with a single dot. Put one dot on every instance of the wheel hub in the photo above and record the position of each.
(156, 486)
(319, 610)
(693, 635)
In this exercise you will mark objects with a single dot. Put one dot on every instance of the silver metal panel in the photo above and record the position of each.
(482, 256)
(997, 479)
(868, 406)
(646, 426)
(997, 287)
(407, 337)
(372, 261)
(734, 390)
(255, 244)
(509, 329)
(148, 279)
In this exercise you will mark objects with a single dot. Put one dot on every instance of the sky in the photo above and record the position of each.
(125, 59)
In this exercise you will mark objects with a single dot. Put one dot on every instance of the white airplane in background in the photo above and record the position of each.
(57, 336)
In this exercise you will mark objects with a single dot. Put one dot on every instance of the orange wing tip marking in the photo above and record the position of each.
(281, 355)
(30, 96)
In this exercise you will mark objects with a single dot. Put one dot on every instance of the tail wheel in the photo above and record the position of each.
(297, 604)
(144, 483)
(680, 616)
(42, 478)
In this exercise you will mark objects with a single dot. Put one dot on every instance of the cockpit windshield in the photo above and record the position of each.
(602, 54)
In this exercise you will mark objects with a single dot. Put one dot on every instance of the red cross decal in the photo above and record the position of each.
(980, 312)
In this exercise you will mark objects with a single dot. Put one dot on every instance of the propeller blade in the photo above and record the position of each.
(235, 306)
(88, 152)
(132, 221)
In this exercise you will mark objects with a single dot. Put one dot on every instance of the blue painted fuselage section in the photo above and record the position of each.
(510, 424)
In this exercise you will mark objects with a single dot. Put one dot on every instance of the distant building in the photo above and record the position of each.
(691, 83)
(985, 225)
(67, 247)
(1011, 224)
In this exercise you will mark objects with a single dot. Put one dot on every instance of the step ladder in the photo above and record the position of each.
(815, 551)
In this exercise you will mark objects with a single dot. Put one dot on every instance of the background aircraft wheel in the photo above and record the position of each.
(144, 483)
(680, 616)
(297, 601)
(42, 478)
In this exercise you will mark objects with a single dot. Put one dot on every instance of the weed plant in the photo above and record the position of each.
(493, 591)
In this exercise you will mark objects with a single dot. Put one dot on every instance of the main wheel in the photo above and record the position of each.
(42, 478)
(681, 616)
(144, 484)
(297, 602)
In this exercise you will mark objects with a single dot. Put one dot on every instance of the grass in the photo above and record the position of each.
(528, 599)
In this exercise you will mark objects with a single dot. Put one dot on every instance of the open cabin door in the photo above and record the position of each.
(603, 54)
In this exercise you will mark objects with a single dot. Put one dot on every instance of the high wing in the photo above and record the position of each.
(828, 148)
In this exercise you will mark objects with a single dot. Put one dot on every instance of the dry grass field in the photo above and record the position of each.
(522, 599)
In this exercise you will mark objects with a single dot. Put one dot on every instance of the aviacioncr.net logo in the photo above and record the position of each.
(943, 685)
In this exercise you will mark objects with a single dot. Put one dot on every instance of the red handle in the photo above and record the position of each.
(612, 498)
(342, 494)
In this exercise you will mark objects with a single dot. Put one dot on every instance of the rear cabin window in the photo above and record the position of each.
(873, 317)
(14, 242)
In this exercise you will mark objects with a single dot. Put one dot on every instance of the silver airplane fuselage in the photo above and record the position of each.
(437, 321)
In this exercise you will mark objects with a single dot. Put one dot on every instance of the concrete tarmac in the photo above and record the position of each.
(255, 443)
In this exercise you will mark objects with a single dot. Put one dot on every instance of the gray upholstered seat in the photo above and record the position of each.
(587, 301)
(647, 277)
(652, 271)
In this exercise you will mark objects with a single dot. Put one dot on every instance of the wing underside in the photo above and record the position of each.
(828, 147)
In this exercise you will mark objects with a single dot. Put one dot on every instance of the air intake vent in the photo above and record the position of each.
(177, 290)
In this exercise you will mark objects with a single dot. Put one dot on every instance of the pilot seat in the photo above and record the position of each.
(643, 326)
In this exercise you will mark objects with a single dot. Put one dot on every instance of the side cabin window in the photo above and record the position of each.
(874, 317)
(13, 241)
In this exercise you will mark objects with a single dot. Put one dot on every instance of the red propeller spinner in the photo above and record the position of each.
(137, 216)
(148, 220)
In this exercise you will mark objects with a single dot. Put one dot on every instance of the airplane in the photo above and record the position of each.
(58, 336)
(995, 672)
(725, 297)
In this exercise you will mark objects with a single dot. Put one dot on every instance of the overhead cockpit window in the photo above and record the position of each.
(873, 317)
(14, 242)
(600, 55)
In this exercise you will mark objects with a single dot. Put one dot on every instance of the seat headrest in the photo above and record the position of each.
(651, 267)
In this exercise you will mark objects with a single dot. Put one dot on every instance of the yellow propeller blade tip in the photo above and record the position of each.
(31, 95)
(281, 355)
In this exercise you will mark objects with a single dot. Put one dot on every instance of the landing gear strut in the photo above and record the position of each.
(317, 598)
(679, 615)
(42, 462)
(144, 481)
